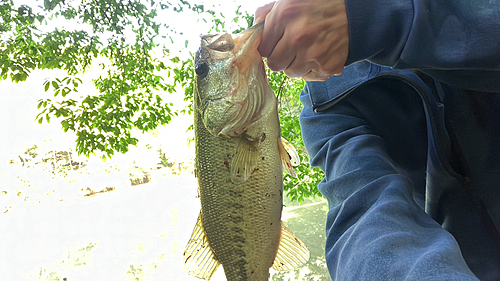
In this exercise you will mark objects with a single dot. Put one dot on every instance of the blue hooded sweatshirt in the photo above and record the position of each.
(411, 157)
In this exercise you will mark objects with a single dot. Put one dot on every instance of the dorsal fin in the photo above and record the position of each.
(289, 156)
(291, 252)
(244, 161)
(199, 260)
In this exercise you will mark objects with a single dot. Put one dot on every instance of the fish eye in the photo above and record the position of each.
(201, 69)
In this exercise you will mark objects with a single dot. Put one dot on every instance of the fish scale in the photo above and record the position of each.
(238, 213)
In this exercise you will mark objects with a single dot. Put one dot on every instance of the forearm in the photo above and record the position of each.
(375, 229)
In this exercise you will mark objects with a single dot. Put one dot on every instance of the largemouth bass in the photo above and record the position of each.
(240, 157)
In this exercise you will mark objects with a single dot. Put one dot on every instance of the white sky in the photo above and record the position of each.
(185, 22)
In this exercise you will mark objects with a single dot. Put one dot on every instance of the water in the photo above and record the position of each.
(132, 233)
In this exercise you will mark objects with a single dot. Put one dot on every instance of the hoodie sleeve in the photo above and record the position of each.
(376, 229)
(423, 34)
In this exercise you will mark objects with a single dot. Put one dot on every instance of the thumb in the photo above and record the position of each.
(261, 13)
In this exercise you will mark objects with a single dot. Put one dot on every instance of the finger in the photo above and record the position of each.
(309, 71)
(261, 13)
(272, 33)
(281, 56)
(316, 76)
(300, 67)
(296, 73)
(331, 60)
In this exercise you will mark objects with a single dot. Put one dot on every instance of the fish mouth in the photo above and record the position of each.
(218, 42)
(231, 114)
(225, 42)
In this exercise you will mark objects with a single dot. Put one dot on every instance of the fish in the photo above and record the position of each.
(239, 161)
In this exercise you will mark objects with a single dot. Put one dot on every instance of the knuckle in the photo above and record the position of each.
(291, 73)
(263, 50)
(272, 65)
(277, 64)
(289, 10)
(333, 67)
(301, 38)
(263, 10)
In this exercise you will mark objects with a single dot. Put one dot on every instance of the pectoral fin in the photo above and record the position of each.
(244, 161)
(291, 252)
(289, 156)
(199, 260)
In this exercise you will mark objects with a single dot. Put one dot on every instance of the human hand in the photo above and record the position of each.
(308, 39)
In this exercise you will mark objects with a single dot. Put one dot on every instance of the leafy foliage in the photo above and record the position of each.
(308, 178)
(129, 43)
(120, 36)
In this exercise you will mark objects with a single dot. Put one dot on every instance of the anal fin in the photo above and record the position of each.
(199, 260)
(291, 252)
